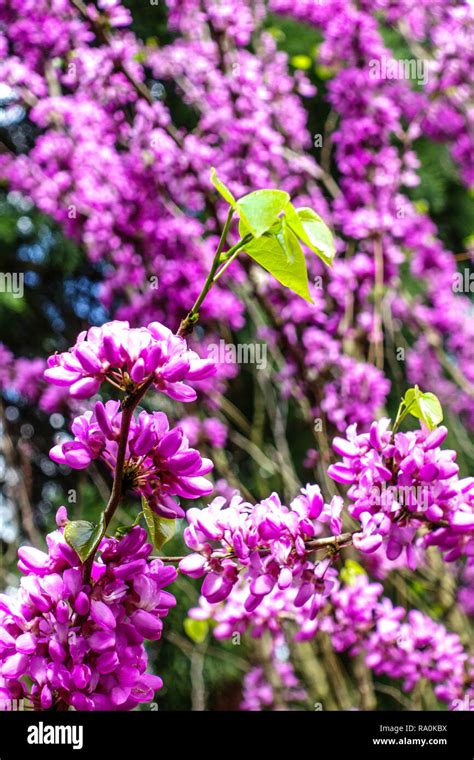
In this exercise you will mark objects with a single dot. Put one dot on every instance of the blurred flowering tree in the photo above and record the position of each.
(359, 111)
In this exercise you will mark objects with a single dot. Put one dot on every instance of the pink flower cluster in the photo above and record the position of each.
(399, 482)
(232, 616)
(269, 540)
(63, 642)
(159, 464)
(150, 171)
(115, 159)
(374, 177)
(209, 430)
(129, 357)
(405, 646)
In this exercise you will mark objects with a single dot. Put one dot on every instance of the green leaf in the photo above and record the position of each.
(324, 72)
(84, 536)
(419, 587)
(312, 231)
(280, 253)
(221, 188)
(260, 209)
(301, 62)
(161, 529)
(430, 409)
(123, 530)
(12, 302)
(350, 571)
(197, 630)
(423, 406)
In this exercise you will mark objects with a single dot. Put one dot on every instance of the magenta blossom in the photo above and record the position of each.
(129, 357)
(66, 642)
(159, 464)
(409, 646)
(268, 540)
(400, 482)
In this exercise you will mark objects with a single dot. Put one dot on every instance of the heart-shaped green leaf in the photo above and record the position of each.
(260, 209)
(431, 409)
(351, 571)
(312, 231)
(84, 536)
(279, 252)
(423, 406)
(197, 630)
(161, 529)
(221, 188)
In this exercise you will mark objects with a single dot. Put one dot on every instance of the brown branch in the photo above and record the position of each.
(334, 543)
(128, 405)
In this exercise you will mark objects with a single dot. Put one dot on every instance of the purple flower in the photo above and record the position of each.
(397, 483)
(267, 541)
(66, 642)
(159, 464)
(128, 357)
(369, 539)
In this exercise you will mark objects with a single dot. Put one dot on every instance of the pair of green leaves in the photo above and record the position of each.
(84, 536)
(161, 529)
(423, 406)
(277, 230)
